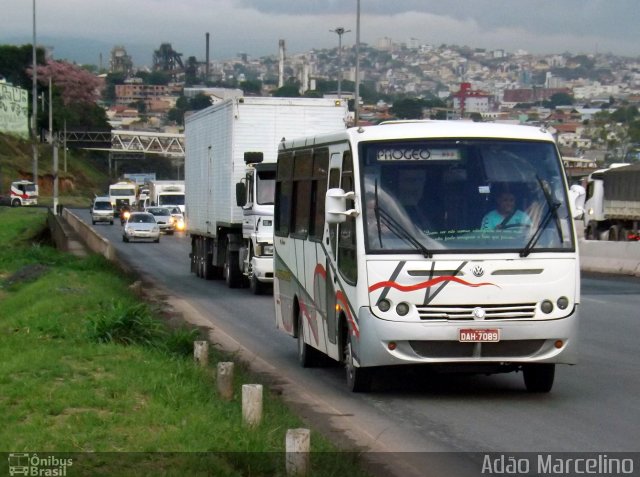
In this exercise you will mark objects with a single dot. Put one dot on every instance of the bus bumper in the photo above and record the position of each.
(384, 343)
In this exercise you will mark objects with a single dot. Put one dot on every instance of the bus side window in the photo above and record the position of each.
(284, 194)
(318, 191)
(302, 170)
(347, 252)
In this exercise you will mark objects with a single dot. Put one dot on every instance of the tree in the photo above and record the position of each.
(74, 96)
(559, 99)
(408, 108)
(251, 87)
(288, 91)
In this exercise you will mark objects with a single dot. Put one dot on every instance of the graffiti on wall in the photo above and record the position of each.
(14, 111)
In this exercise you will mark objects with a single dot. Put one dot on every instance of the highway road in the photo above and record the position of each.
(593, 407)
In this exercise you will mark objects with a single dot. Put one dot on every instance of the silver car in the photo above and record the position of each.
(141, 226)
(163, 218)
(102, 210)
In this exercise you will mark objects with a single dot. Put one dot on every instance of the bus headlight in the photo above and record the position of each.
(402, 308)
(384, 305)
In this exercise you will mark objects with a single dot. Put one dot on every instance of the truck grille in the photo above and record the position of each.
(519, 311)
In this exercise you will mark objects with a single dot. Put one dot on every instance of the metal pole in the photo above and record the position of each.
(55, 175)
(50, 113)
(64, 144)
(340, 31)
(34, 103)
(356, 107)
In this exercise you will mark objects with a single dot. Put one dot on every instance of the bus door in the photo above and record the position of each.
(340, 243)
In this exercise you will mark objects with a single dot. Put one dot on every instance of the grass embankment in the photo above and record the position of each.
(86, 367)
(85, 176)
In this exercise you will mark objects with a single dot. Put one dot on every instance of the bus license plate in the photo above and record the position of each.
(478, 335)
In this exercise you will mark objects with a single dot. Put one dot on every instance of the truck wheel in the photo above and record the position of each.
(232, 274)
(614, 233)
(538, 378)
(15, 203)
(592, 232)
(256, 287)
(358, 379)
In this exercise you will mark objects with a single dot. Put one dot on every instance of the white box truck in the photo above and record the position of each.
(612, 207)
(229, 202)
(166, 193)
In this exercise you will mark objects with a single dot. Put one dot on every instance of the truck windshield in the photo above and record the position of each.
(172, 199)
(122, 192)
(471, 195)
(266, 187)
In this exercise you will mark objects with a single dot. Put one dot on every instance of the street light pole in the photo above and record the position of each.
(356, 110)
(340, 31)
(34, 103)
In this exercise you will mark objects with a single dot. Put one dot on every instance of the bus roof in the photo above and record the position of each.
(427, 129)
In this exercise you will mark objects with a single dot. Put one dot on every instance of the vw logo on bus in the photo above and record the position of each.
(478, 271)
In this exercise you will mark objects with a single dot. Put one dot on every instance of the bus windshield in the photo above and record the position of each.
(472, 195)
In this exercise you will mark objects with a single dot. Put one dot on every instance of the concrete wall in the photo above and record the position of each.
(621, 258)
(89, 237)
(610, 257)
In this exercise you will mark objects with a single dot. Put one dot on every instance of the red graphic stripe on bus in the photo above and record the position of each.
(312, 323)
(427, 284)
(320, 271)
(340, 298)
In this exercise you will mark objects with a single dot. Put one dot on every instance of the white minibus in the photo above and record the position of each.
(442, 243)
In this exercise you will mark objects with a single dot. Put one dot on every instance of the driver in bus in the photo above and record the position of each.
(505, 215)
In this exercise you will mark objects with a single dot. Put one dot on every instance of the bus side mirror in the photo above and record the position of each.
(577, 196)
(241, 194)
(335, 206)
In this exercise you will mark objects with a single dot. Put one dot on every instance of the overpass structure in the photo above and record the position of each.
(124, 145)
(122, 141)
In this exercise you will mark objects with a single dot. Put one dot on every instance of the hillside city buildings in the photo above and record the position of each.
(494, 85)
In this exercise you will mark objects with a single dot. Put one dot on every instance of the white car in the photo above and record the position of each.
(178, 219)
(102, 210)
(163, 218)
(141, 226)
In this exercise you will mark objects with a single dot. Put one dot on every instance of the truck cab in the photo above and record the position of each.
(24, 192)
(255, 195)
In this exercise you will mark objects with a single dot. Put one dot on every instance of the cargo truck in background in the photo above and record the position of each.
(612, 206)
(231, 150)
(123, 194)
(166, 193)
(23, 192)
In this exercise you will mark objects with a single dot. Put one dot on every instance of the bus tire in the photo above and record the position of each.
(358, 379)
(538, 378)
(614, 233)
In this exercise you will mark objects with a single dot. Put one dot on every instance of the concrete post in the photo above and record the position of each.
(252, 404)
(298, 444)
(201, 353)
(225, 380)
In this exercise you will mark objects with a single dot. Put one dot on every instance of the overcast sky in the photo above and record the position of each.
(79, 30)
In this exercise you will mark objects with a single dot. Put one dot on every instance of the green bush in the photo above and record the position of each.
(119, 322)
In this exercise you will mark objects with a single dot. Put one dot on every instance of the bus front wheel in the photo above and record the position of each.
(538, 378)
(358, 379)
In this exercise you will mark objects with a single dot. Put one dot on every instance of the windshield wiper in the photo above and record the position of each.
(376, 210)
(552, 212)
(399, 230)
